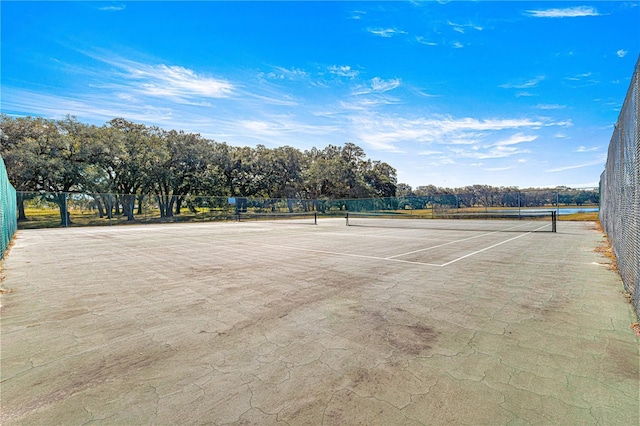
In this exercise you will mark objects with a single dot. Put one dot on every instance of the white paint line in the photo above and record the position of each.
(333, 253)
(457, 241)
(437, 246)
(493, 246)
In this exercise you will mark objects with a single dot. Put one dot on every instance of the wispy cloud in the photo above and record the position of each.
(385, 32)
(579, 76)
(569, 12)
(430, 153)
(526, 84)
(498, 169)
(343, 71)
(358, 14)
(280, 73)
(582, 80)
(181, 84)
(550, 106)
(461, 28)
(585, 149)
(598, 162)
(380, 85)
(457, 45)
(113, 8)
(501, 148)
(516, 139)
(387, 132)
(422, 40)
(621, 53)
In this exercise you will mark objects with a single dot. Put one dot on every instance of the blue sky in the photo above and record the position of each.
(506, 93)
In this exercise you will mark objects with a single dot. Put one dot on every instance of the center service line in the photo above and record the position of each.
(333, 253)
(439, 245)
(490, 247)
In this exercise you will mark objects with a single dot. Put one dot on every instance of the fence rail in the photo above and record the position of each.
(620, 191)
(8, 219)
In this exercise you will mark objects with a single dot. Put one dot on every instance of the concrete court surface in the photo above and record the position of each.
(296, 324)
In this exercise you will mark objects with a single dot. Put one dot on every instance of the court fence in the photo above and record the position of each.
(620, 191)
(45, 209)
(8, 218)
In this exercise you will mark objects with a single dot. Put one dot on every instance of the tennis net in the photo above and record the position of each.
(498, 221)
(298, 217)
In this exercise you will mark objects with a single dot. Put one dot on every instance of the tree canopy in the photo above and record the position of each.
(132, 160)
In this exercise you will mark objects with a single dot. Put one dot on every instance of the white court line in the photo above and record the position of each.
(490, 247)
(333, 253)
(457, 241)
(392, 258)
(439, 245)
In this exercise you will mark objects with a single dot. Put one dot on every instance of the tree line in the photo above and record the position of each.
(52, 158)
(121, 162)
(492, 196)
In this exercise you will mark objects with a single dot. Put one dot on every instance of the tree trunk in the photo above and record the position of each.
(140, 199)
(178, 201)
(170, 205)
(96, 199)
(128, 206)
(108, 205)
(162, 205)
(20, 199)
(119, 200)
(61, 201)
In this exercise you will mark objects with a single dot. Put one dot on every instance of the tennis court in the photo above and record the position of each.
(288, 322)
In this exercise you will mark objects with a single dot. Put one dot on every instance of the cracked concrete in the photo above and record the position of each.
(288, 324)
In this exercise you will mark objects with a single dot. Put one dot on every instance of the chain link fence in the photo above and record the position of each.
(620, 192)
(8, 218)
(46, 209)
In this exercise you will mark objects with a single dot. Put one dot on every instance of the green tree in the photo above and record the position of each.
(136, 151)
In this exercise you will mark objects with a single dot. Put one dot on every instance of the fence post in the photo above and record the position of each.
(66, 211)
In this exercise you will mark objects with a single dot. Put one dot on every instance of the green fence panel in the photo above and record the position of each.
(8, 217)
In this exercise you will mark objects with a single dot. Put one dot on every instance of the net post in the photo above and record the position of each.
(315, 218)
(346, 216)
(553, 221)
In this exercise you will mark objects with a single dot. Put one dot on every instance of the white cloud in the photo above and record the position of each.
(180, 84)
(113, 8)
(599, 162)
(385, 32)
(257, 126)
(422, 40)
(516, 139)
(585, 149)
(461, 28)
(380, 85)
(569, 12)
(526, 84)
(498, 169)
(382, 132)
(343, 71)
(457, 45)
(579, 77)
(280, 73)
(492, 152)
(550, 106)
(621, 53)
